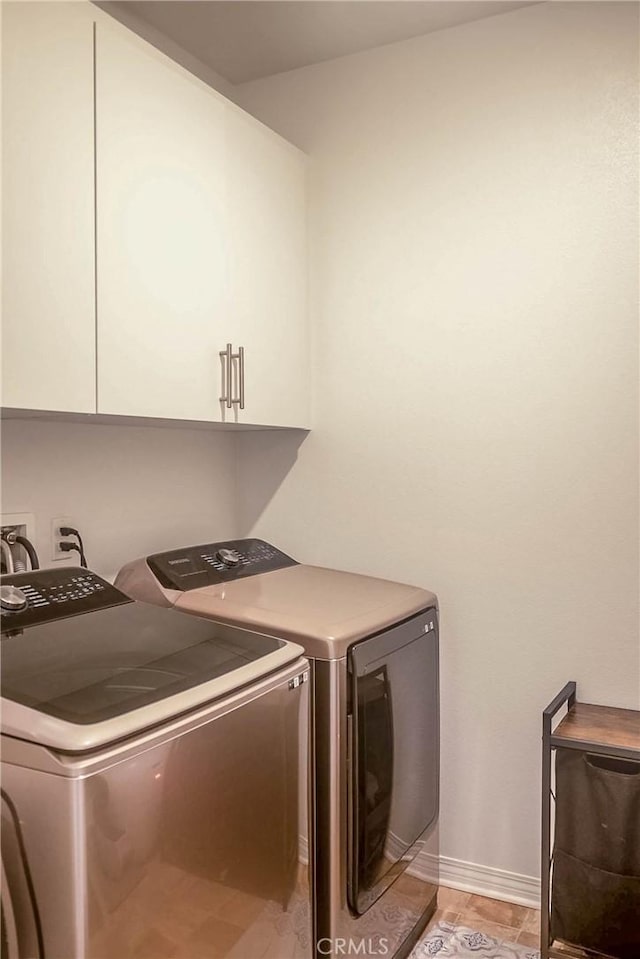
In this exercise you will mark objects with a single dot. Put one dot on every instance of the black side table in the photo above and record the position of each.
(608, 737)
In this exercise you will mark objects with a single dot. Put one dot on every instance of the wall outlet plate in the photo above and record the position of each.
(56, 553)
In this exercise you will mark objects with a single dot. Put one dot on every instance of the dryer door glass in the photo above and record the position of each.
(394, 748)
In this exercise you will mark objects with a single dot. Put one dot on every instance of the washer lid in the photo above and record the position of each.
(325, 610)
(80, 682)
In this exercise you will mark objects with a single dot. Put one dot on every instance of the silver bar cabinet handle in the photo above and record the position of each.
(226, 397)
(241, 360)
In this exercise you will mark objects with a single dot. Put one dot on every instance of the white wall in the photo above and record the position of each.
(475, 295)
(130, 490)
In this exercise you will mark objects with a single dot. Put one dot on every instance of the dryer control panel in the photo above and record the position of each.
(212, 563)
(43, 595)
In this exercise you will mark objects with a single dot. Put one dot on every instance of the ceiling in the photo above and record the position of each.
(244, 40)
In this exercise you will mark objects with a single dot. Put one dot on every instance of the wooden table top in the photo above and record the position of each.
(605, 725)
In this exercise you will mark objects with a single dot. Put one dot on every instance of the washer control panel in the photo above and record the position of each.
(43, 595)
(212, 563)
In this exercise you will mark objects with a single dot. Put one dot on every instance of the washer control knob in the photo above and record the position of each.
(228, 556)
(12, 599)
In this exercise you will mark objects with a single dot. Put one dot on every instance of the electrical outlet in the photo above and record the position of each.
(57, 538)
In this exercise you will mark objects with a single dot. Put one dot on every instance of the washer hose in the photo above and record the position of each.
(30, 551)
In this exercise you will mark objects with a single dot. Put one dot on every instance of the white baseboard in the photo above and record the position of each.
(480, 880)
(467, 876)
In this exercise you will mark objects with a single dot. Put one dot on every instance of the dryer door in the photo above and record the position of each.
(394, 752)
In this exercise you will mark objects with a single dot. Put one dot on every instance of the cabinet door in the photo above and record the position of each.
(268, 271)
(160, 154)
(48, 306)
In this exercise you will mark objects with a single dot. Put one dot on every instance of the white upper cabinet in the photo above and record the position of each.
(48, 298)
(267, 227)
(161, 234)
(147, 223)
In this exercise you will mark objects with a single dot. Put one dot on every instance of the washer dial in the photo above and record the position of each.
(230, 557)
(12, 599)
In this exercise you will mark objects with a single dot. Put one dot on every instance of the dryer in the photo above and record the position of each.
(373, 649)
(153, 780)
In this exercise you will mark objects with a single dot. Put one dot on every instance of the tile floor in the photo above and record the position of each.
(491, 916)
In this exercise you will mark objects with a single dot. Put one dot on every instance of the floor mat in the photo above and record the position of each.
(450, 942)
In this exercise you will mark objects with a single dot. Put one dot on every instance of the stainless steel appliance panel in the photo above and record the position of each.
(186, 846)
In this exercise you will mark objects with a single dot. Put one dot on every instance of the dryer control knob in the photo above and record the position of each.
(12, 599)
(228, 556)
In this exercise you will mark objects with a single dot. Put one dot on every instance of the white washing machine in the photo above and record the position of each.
(373, 650)
(152, 783)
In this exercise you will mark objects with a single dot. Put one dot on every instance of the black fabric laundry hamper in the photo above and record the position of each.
(595, 892)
